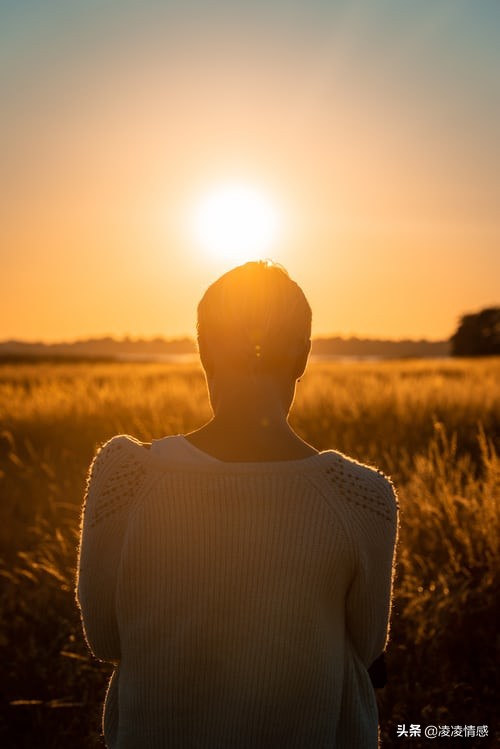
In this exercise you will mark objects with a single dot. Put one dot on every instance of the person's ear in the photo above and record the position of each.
(205, 356)
(301, 361)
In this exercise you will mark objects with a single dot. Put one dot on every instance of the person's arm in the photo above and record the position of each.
(368, 603)
(113, 480)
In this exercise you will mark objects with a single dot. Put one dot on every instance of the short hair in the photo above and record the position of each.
(254, 312)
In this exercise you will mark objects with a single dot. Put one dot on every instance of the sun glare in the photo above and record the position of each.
(236, 222)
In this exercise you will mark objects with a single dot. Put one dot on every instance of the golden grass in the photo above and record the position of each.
(432, 425)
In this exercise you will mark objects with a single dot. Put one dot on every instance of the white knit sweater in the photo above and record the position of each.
(242, 603)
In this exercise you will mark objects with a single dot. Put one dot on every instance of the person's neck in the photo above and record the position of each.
(250, 424)
(260, 443)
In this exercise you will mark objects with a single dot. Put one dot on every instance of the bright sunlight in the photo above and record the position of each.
(236, 222)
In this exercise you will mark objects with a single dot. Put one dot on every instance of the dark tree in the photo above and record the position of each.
(478, 334)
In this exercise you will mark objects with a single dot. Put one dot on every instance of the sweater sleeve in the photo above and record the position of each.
(369, 597)
(114, 478)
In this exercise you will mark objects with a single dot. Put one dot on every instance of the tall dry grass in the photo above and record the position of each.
(432, 425)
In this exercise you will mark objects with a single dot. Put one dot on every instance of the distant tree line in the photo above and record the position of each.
(377, 348)
(478, 334)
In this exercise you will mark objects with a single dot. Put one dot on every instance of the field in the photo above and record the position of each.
(432, 425)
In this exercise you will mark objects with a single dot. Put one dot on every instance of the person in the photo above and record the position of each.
(238, 579)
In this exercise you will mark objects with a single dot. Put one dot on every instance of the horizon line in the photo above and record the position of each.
(127, 338)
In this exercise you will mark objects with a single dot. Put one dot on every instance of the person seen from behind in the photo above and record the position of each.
(238, 579)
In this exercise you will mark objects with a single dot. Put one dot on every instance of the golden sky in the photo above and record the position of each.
(372, 125)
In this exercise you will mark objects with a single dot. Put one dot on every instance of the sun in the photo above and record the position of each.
(236, 221)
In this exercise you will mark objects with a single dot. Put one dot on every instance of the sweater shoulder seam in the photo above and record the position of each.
(361, 485)
(114, 480)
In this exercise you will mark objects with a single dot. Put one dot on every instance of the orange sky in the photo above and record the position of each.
(374, 126)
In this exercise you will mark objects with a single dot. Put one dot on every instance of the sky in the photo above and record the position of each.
(371, 126)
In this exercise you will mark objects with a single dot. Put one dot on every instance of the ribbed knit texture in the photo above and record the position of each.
(241, 602)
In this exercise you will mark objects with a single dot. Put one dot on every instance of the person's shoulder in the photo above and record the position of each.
(115, 451)
(115, 477)
(123, 442)
(361, 483)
